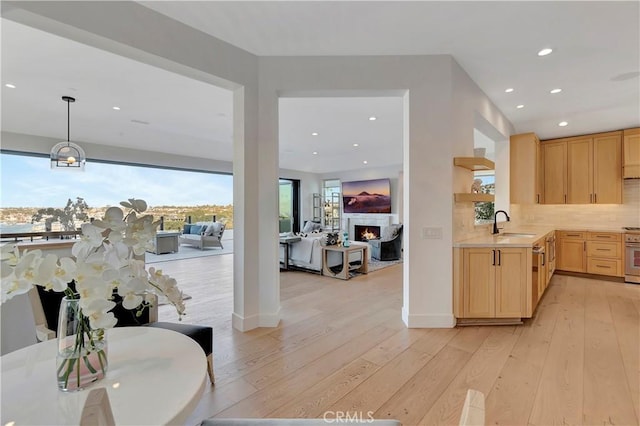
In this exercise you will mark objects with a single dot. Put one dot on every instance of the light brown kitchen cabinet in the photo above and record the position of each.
(494, 282)
(525, 165)
(580, 171)
(631, 153)
(605, 253)
(583, 169)
(554, 170)
(572, 251)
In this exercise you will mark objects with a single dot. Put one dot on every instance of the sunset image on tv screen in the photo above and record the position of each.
(367, 196)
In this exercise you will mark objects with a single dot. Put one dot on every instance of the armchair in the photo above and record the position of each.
(389, 246)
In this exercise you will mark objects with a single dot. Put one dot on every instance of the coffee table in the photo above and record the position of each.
(344, 273)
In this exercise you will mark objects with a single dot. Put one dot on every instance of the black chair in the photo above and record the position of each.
(202, 335)
(389, 247)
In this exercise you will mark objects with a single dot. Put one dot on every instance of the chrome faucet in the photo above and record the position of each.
(495, 221)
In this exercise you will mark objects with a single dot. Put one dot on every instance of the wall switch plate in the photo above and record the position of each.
(432, 233)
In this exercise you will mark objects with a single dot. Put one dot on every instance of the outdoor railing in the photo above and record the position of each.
(18, 236)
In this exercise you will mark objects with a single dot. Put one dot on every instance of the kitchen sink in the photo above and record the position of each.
(516, 235)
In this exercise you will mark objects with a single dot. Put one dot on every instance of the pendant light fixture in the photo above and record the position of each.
(68, 155)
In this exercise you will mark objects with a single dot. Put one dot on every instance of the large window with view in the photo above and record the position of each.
(35, 198)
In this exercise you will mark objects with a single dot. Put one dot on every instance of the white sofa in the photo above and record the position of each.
(208, 234)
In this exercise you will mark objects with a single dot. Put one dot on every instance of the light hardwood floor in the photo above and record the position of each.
(341, 346)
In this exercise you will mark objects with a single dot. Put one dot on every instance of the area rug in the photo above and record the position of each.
(190, 252)
(376, 265)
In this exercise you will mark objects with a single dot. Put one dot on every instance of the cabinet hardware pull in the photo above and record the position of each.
(565, 198)
(603, 249)
(602, 236)
(584, 248)
(493, 262)
(538, 198)
(603, 267)
(573, 235)
(499, 257)
(542, 259)
(595, 198)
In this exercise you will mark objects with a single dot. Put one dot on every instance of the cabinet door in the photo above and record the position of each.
(632, 153)
(607, 169)
(524, 164)
(579, 171)
(479, 283)
(511, 282)
(554, 159)
(571, 255)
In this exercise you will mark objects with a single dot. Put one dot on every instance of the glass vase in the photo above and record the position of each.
(82, 351)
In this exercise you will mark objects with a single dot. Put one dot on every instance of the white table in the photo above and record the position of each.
(155, 377)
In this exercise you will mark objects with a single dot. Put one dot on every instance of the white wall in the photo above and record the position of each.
(439, 99)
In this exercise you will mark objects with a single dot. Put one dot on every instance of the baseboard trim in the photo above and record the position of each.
(428, 321)
(241, 323)
(270, 320)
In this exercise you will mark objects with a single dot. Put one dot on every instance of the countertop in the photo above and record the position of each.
(501, 240)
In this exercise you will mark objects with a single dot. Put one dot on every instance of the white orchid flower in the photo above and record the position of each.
(53, 276)
(90, 240)
(97, 312)
(113, 219)
(132, 292)
(137, 205)
(10, 254)
(13, 285)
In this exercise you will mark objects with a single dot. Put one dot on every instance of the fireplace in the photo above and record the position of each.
(366, 232)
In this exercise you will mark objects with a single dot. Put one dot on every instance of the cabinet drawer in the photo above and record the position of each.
(602, 249)
(611, 267)
(572, 235)
(604, 236)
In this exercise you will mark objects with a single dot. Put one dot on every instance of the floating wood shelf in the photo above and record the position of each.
(476, 198)
(474, 163)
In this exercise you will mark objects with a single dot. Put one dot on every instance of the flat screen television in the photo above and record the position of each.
(367, 196)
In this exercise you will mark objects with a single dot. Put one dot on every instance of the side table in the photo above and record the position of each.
(343, 274)
(166, 242)
(285, 242)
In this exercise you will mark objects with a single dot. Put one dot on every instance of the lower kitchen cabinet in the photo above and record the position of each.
(572, 254)
(494, 282)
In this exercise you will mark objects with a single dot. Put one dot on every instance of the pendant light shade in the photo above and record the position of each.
(68, 155)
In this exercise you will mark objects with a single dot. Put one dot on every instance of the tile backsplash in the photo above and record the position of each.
(572, 215)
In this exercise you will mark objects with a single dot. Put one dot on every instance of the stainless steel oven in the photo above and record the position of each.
(632, 255)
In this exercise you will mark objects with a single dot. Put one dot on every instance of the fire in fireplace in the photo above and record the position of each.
(366, 232)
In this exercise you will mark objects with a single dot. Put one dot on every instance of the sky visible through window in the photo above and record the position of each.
(29, 182)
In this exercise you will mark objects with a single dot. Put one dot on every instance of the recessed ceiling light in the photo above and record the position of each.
(315, 152)
(558, 90)
(10, 86)
(117, 108)
(373, 118)
(545, 52)
(314, 134)
(520, 106)
(365, 162)
(509, 90)
(355, 144)
(562, 123)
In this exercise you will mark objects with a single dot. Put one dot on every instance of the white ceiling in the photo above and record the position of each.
(596, 62)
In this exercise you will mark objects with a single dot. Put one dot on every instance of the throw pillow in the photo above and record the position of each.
(308, 227)
(390, 232)
(212, 229)
(196, 229)
(186, 228)
(331, 239)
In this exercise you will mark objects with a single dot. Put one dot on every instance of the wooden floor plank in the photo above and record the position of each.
(511, 397)
(480, 373)
(346, 341)
(559, 397)
(626, 321)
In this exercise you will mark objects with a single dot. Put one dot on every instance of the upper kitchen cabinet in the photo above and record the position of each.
(526, 162)
(554, 172)
(583, 169)
(631, 153)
